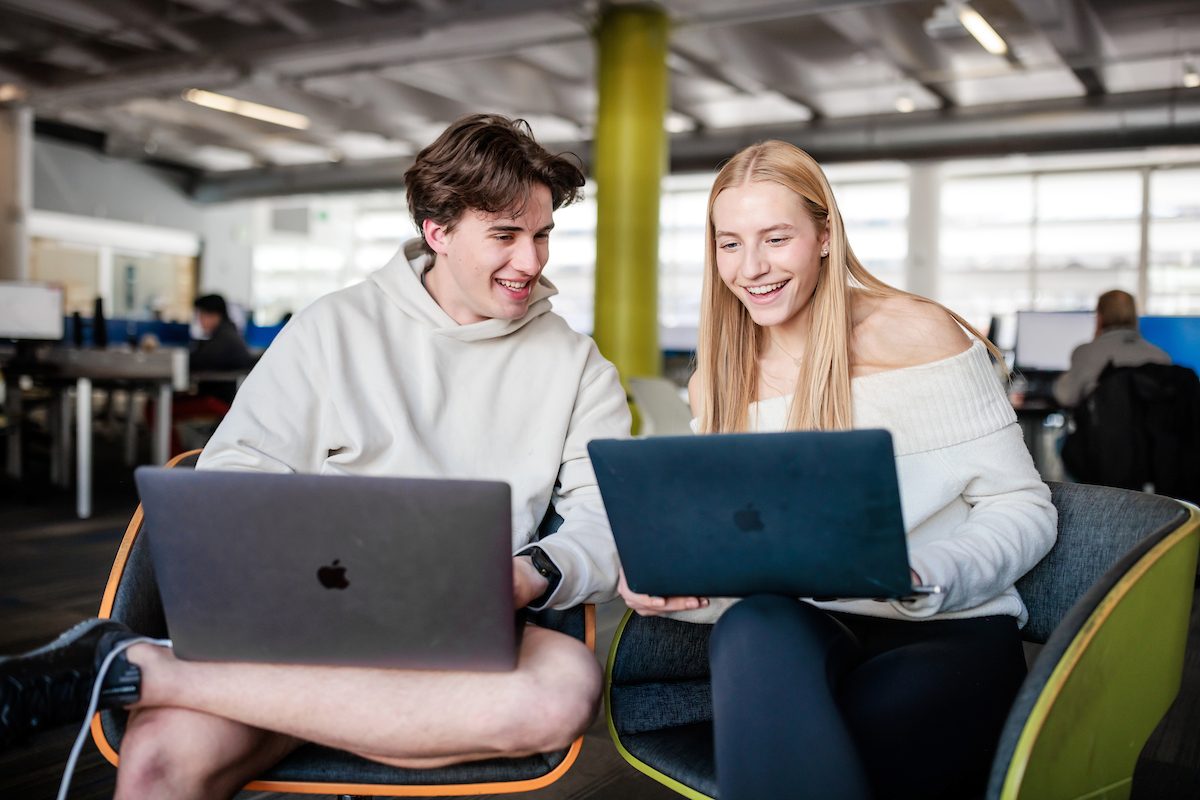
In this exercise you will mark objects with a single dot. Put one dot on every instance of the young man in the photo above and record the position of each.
(1117, 342)
(457, 369)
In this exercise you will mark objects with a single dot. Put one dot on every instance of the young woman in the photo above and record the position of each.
(860, 698)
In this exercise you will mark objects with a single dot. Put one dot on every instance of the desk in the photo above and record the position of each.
(1042, 423)
(62, 369)
(234, 376)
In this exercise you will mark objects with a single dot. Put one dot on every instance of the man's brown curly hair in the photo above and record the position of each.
(488, 163)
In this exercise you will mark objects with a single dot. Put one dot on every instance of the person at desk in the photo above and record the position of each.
(1117, 342)
(859, 698)
(223, 349)
(197, 412)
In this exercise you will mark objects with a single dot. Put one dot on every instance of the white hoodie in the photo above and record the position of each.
(377, 379)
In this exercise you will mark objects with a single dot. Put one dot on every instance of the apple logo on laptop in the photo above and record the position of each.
(333, 576)
(747, 519)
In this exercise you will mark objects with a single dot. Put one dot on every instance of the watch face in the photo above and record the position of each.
(543, 564)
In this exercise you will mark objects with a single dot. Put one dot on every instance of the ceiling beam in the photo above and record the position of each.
(730, 76)
(1136, 119)
(898, 40)
(288, 18)
(1116, 121)
(1076, 33)
(370, 41)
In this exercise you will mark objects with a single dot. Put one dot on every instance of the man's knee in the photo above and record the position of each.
(164, 755)
(155, 762)
(558, 699)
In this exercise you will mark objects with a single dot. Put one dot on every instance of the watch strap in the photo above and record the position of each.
(547, 569)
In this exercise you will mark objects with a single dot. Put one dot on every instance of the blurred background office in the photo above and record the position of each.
(1005, 158)
(1012, 159)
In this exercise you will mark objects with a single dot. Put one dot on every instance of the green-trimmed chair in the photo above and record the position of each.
(1110, 604)
(131, 596)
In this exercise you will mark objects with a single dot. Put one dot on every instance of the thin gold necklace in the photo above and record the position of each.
(795, 359)
(762, 375)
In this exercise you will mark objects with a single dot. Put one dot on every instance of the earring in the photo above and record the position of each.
(824, 252)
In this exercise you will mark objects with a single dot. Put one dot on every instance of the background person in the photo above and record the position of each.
(860, 698)
(457, 368)
(224, 349)
(1117, 342)
(195, 414)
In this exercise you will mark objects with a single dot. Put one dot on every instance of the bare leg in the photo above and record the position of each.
(402, 717)
(179, 754)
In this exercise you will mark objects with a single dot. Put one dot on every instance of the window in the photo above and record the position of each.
(683, 217)
(1047, 235)
(875, 214)
(986, 245)
(1045, 241)
(326, 243)
(1174, 254)
(572, 265)
(1087, 237)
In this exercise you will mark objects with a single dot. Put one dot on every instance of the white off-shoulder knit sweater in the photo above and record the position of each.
(977, 514)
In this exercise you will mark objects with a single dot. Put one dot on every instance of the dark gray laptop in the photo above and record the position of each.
(806, 514)
(309, 569)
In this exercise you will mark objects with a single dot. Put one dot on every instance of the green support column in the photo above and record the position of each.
(630, 154)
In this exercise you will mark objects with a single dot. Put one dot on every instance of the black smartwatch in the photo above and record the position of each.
(547, 569)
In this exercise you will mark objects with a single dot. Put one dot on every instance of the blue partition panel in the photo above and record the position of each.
(1179, 336)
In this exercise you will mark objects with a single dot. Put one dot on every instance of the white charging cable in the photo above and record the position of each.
(65, 786)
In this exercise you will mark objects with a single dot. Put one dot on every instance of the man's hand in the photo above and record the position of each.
(650, 606)
(528, 583)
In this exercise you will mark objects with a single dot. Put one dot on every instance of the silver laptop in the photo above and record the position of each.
(336, 570)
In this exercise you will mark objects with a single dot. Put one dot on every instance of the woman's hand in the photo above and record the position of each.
(649, 606)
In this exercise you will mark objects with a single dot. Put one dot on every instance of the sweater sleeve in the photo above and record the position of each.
(280, 420)
(583, 547)
(1010, 526)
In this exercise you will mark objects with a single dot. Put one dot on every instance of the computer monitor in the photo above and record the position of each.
(1045, 339)
(31, 311)
(1179, 336)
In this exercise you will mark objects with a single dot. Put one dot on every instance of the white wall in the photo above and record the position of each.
(75, 180)
(226, 259)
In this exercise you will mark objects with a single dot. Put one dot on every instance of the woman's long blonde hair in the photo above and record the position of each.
(730, 342)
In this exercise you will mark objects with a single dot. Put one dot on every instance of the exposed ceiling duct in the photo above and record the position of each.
(377, 79)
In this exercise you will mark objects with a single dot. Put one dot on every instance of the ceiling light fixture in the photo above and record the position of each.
(245, 108)
(1191, 78)
(678, 123)
(10, 92)
(905, 104)
(978, 27)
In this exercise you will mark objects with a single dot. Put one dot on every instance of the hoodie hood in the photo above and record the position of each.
(400, 281)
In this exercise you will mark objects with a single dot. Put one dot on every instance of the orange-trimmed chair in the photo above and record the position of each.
(132, 597)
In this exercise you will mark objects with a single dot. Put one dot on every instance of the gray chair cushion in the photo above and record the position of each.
(316, 764)
(1097, 525)
(684, 754)
(660, 698)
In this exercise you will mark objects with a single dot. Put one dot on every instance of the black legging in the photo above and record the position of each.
(808, 703)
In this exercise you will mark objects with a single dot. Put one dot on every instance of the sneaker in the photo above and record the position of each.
(52, 685)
